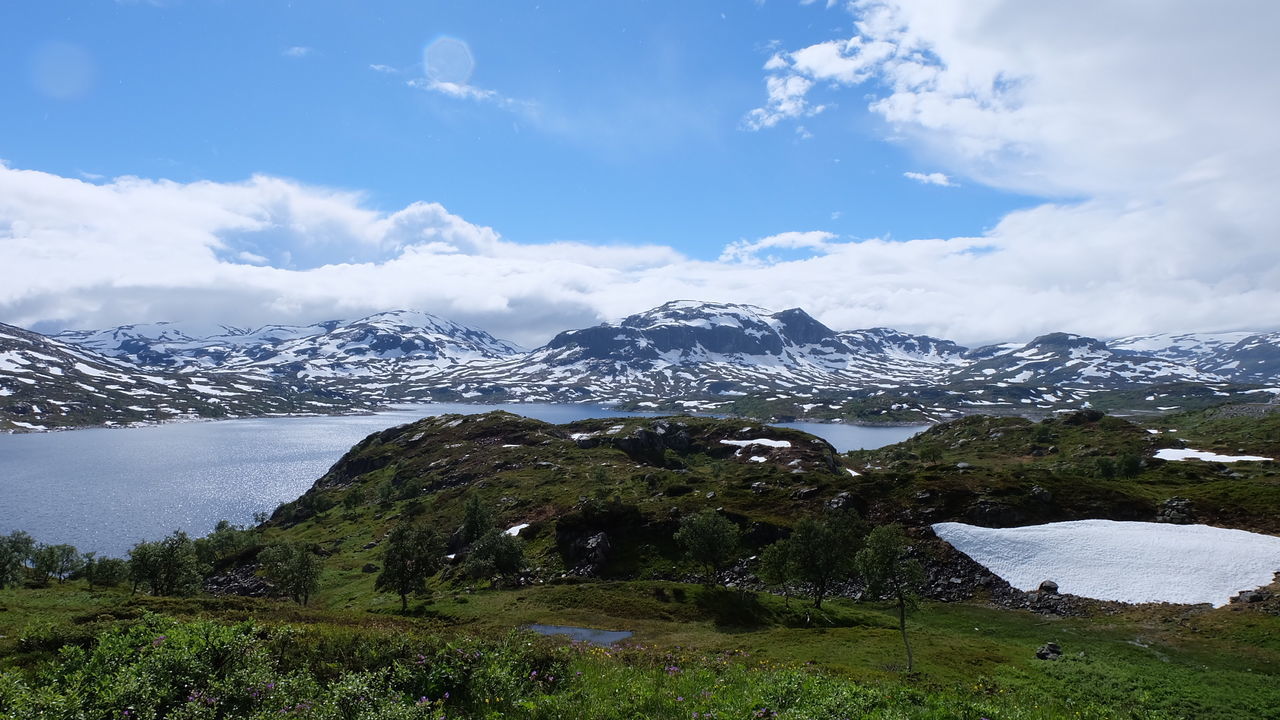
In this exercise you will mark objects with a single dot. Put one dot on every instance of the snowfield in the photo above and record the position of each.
(1176, 454)
(1132, 562)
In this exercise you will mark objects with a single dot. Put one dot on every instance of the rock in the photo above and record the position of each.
(989, 513)
(1049, 586)
(1049, 651)
(1251, 596)
(1041, 495)
(369, 568)
(1082, 417)
(759, 487)
(1176, 510)
(804, 493)
(595, 550)
(711, 495)
(963, 466)
(370, 545)
(242, 581)
(840, 501)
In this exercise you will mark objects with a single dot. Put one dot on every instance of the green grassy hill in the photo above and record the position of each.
(718, 652)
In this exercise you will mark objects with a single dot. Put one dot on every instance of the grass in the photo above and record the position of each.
(738, 654)
(1145, 662)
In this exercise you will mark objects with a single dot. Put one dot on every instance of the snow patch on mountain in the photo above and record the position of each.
(1133, 562)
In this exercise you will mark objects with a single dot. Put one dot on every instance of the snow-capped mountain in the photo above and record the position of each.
(1188, 348)
(688, 355)
(46, 383)
(695, 353)
(1066, 360)
(385, 345)
(1254, 359)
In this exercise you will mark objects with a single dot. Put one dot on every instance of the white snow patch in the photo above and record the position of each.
(1127, 561)
(514, 530)
(854, 473)
(758, 458)
(1176, 454)
(762, 441)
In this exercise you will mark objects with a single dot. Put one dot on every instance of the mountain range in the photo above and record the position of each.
(681, 356)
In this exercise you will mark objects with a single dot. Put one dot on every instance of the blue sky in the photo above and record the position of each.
(628, 126)
(982, 171)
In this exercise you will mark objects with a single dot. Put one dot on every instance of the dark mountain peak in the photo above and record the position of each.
(800, 327)
(1066, 342)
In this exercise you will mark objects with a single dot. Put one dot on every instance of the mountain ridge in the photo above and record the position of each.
(688, 355)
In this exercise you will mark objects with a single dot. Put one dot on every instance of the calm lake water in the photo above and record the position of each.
(105, 490)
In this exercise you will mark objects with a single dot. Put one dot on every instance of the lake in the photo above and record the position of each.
(106, 489)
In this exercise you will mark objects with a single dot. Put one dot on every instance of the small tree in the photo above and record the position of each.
(889, 571)
(496, 553)
(411, 556)
(777, 569)
(1105, 468)
(709, 539)
(477, 520)
(294, 568)
(103, 572)
(57, 561)
(224, 542)
(822, 551)
(16, 549)
(1129, 465)
(167, 567)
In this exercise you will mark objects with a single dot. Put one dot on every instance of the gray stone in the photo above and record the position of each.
(1049, 651)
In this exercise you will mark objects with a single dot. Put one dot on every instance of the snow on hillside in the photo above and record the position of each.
(1178, 346)
(1133, 562)
(1178, 454)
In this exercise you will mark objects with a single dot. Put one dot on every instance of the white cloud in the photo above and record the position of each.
(296, 51)
(786, 100)
(933, 178)
(387, 69)
(748, 251)
(80, 254)
(463, 91)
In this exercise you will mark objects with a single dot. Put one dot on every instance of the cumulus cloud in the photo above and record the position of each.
(81, 254)
(933, 178)
(296, 51)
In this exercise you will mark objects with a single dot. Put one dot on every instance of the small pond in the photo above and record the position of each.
(581, 634)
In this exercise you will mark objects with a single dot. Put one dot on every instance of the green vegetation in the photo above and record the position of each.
(709, 540)
(293, 568)
(889, 571)
(819, 554)
(412, 556)
(167, 567)
(624, 518)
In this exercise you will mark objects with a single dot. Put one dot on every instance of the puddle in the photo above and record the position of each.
(582, 634)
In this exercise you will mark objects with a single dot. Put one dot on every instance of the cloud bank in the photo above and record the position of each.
(80, 254)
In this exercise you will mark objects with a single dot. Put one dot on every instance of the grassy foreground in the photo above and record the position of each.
(71, 653)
